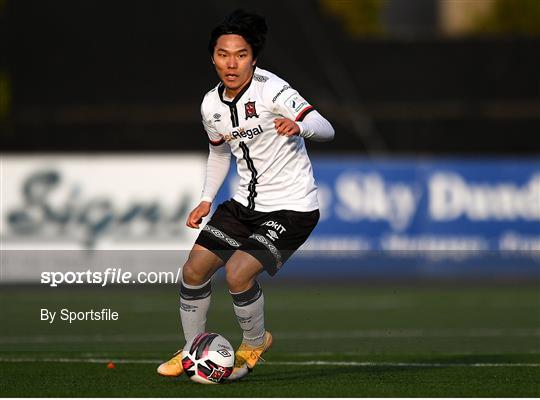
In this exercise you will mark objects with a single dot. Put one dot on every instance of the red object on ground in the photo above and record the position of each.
(111, 365)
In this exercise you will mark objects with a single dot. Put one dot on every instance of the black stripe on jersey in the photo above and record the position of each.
(232, 104)
(234, 115)
(253, 182)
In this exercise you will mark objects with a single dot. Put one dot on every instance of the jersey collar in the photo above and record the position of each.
(221, 89)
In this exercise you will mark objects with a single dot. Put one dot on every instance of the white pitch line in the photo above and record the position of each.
(79, 360)
(399, 364)
(410, 333)
(293, 363)
(344, 334)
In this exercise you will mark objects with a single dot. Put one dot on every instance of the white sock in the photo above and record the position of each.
(249, 309)
(194, 304)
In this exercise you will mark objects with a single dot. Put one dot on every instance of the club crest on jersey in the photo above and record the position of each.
(250, 109)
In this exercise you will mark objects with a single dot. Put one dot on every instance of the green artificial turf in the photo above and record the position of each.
(330, 340)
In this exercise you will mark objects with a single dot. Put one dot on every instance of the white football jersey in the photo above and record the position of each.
(275, 171)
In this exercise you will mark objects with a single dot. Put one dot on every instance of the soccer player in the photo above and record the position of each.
(262, 121)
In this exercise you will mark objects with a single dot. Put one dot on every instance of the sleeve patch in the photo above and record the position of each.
(295, 103)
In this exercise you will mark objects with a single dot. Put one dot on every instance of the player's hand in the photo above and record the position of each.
(195, 217)
(286, 127)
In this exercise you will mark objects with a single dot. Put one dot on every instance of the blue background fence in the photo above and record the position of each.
(422, 218)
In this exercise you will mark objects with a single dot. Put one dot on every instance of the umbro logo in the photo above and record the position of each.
(224, 353)
(188, 307)
(275, 225)
(244, 320)
(272, 235)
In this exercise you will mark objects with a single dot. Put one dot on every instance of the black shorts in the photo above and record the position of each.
(270, 237)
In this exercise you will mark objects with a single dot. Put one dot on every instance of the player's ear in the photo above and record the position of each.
(254, 62)
(212, 59)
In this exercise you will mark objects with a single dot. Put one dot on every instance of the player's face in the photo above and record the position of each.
(233, 59)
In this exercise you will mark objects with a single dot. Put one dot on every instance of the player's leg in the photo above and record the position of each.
(278, 236)
(218, 239)
(248, 302)
(195, 292)
(196, 289)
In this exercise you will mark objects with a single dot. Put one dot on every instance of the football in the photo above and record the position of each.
(208, 358)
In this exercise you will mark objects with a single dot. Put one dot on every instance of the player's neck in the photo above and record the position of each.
(231, 93)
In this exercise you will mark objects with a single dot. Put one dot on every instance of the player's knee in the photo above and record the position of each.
(192, 275)
(237, 278)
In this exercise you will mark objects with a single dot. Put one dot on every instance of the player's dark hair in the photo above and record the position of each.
(252, 27)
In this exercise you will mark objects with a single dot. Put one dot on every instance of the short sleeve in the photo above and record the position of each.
(287, 101)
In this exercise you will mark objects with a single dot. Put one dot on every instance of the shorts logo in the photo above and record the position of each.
(217, 117)
(273, 224)
(272, 235)
(250, 110)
